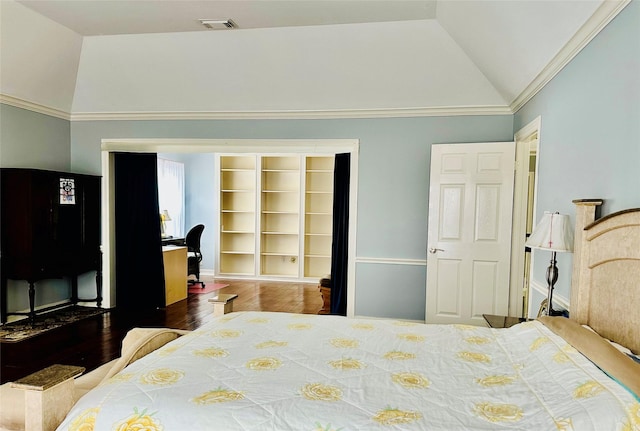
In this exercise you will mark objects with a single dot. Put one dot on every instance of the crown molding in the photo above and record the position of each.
(446, 111)
(294, 115)
(608, 10)
(34, 107)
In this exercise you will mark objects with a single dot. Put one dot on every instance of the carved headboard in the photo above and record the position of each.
(605, 286)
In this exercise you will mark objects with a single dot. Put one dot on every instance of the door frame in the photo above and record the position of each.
(146, 145)
(527, 140)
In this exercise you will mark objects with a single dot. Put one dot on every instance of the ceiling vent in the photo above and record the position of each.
(218, 24)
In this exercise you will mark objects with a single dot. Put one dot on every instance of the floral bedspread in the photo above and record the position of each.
(280, 371)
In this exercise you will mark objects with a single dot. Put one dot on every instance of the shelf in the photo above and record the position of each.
(237, 202)
(281, 163)
(320, 163)
(235, 263)
(237, 163)
(317, 266)
(237, 242)
(285, 171)
(317, 244)
(276, 265)
(285, 199)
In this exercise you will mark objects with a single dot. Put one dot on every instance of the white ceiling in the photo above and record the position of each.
(104, 17)
(296, 55)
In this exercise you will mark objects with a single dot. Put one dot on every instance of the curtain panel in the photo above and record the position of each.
(340, 242)
(138, 247)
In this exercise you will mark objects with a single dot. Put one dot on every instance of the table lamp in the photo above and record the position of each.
(553, 233)
(164, 217)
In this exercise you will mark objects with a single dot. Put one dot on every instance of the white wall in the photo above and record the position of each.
(342, 67)
(393, 184)
(39, 60)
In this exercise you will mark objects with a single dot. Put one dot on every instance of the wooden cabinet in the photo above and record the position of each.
(50, 229)
(174, 260)
(275, 215)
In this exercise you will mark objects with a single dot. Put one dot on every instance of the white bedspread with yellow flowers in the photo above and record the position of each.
(279, 371)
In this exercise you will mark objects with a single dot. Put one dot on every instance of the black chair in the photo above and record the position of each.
(192, 241)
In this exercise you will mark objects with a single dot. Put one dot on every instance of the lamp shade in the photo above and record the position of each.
(553, 233)
(165, 216)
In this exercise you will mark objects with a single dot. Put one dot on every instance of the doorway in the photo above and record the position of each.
(525, 187)
(109, 146)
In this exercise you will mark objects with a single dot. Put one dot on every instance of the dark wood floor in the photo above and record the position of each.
(95, 341)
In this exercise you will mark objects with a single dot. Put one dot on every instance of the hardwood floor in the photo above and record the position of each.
(95, 341)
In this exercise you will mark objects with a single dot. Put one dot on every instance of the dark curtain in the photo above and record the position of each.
(340, 244)
(138, 249)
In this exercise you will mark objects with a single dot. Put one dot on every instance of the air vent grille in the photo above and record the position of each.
(218, 24)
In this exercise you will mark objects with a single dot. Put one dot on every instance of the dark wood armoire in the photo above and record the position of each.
(50, 229)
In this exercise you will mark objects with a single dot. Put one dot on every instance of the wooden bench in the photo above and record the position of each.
(223, 303)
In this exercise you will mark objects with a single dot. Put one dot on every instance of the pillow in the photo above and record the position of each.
(620, 347)
(598, 350)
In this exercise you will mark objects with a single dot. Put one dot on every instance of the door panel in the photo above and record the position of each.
(470, 207)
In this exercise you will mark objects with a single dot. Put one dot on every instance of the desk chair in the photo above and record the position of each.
(194, 256)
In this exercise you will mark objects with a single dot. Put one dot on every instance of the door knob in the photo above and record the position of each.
(434, 250)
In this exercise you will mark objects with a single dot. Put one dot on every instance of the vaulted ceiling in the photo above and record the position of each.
(319, 57)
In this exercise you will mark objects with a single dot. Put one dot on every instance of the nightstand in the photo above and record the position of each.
(503, 321)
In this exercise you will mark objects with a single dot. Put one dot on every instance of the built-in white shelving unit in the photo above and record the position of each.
(318, 216)
(280, 222)
(237, 215)
(282, 231)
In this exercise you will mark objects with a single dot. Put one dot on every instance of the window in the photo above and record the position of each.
(171, 196)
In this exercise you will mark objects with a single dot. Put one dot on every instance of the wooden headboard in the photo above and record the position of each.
(605, 285)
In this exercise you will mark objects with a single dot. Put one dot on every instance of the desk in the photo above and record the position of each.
(172, 240)
(175, 273)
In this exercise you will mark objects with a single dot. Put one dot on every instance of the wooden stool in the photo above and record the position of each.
(325, 291)
(48, 396)
(223, 303)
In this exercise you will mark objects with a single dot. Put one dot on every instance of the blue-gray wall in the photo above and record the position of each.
(32, 140)
(392, 184)
(200, 200)
(590, 133)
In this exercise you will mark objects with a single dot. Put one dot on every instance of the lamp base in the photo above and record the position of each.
(555, 313)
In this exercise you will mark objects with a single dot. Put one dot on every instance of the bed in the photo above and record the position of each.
(278, 371)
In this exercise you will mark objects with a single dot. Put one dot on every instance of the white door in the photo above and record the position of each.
(469, 244)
